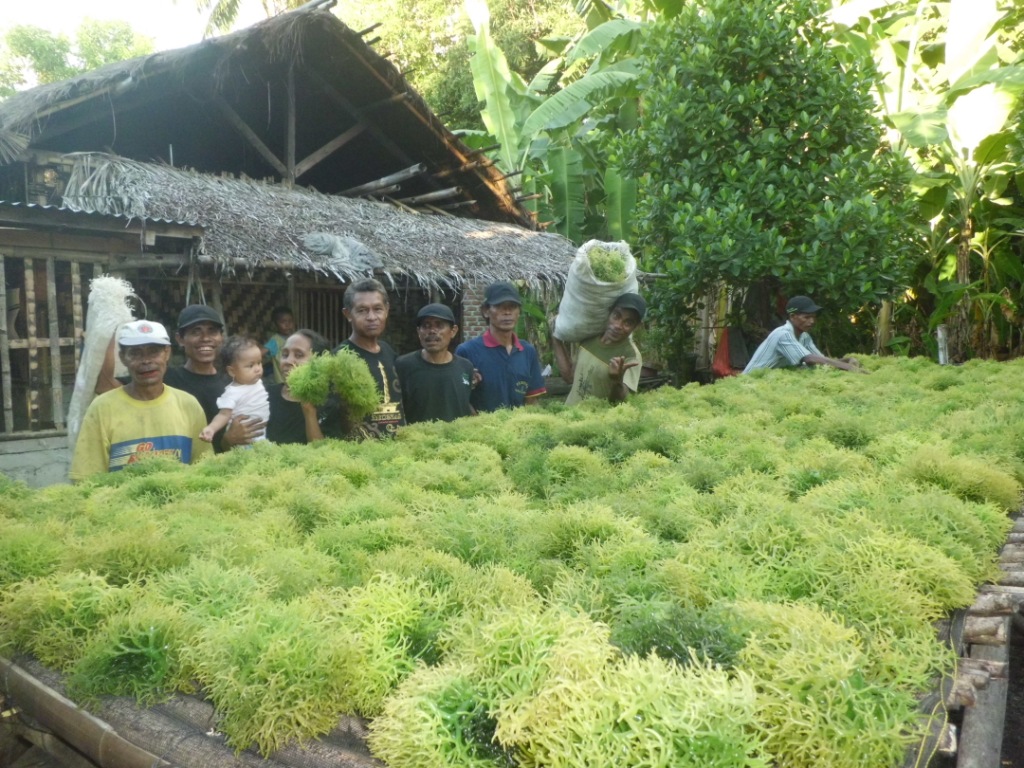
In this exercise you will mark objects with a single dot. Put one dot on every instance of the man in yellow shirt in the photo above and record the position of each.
(606, 366)
(143, 418)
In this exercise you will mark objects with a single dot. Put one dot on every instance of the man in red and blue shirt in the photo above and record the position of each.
(509, 367)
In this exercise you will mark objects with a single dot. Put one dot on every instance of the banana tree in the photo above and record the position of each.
(948, 82)
(554, 128)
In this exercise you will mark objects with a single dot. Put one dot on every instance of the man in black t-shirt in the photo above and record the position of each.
(201, 335)
(366, 308)
(435, 383)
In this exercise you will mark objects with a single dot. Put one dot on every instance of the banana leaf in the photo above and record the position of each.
(567, 191)
(601, 37)
(620, 200)
(493, 83)
(573, 101)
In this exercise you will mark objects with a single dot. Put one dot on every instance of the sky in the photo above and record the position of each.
(170, 24)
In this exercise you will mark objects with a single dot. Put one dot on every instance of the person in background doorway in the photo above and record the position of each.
(145, 417)
(509, 367)
(366, 308)
(435, 384)
(284, 326)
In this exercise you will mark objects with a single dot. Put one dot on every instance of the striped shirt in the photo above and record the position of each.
(782, 349)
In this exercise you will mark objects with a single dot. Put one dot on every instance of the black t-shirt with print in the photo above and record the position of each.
(388, 416)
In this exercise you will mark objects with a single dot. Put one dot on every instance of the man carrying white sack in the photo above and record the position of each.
(599, 310)
(606, 366)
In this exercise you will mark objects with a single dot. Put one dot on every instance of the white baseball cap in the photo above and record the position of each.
(139, 332)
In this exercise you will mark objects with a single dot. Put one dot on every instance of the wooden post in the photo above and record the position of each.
(250, 135)
(56, 385)
(981, 740)
(77, 331)
(5, 351)
(290, 147)
(32, 341)
(327, 149)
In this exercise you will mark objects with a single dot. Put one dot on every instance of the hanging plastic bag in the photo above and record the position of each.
(108, 310)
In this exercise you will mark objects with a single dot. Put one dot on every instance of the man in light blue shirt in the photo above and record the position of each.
(790, 345)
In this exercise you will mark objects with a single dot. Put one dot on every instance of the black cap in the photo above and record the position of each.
(632, 301)
(198, 313)
(801, 304)
(500, 292)
(440, 311)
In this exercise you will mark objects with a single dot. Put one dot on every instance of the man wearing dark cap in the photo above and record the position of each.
(200, 335)
(606, 366)
(435, 383)
(509, 367)
(790, 345)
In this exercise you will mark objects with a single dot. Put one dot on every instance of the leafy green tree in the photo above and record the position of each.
(221, 15)
(950, 77)
(102, 42)
(760, 165)
(555, 128)
(431, 39)
(31, 55)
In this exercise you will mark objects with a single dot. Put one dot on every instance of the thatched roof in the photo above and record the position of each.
(299, 94)
(251, 224)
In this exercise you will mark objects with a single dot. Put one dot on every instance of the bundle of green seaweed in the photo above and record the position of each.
(343, 373)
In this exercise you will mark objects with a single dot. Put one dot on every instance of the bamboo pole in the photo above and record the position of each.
(31, 338)
(89, 735)
(432, 197)
(77, 332)
(56, 385)
(385, 181)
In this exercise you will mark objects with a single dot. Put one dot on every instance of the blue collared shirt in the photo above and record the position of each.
(508, 378)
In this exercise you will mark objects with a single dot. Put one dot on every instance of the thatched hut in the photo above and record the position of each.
(266, 167)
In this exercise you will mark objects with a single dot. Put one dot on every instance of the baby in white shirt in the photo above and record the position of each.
(245, 395)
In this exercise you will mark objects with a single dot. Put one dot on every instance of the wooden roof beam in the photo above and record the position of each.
(289, 151)
(357, 114)
(328, 149)
(250, 135)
